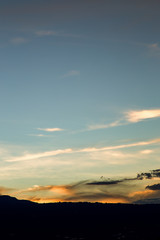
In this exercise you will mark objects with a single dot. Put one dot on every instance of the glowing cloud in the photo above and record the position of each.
(137, 116)
(147, 151)
(51, 129)
(104, 190)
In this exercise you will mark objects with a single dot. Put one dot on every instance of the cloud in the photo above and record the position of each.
(45, 33)
(113, 157)
(146, 151)
(76, 192)
(119, 190)
(140, 176)
(51, 129)
(71, 73)
(148, 201)
(37, 135)
(112, 182)
(39, 155)
(136, 144)
(124, 190)
(19, 40)
(131, 116)
(83, 150)
(5, 190)
(97, 197)
(53, 188)
(137, 116)
(154, 49)
(154, 187)
(102, 126)
(149, 175)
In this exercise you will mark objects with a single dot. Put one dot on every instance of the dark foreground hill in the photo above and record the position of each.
(21, 219)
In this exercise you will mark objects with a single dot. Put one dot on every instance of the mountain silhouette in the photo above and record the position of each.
(22, 219)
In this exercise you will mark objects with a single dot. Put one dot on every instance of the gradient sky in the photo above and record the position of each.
(79, 99)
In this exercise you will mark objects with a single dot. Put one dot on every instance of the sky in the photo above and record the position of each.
(79, 100)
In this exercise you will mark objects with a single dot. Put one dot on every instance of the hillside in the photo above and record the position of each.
(26, 220)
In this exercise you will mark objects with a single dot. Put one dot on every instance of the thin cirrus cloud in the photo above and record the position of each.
(40, 155)
(71, 73)
(132, 116)
(19, 40)
(51, 129)
(83, 150)
(102, 126)
(45, 33)
(154, 49)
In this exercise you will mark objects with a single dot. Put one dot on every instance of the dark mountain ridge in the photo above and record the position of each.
(22, 219)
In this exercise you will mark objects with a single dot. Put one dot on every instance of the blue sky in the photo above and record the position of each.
(77, 78)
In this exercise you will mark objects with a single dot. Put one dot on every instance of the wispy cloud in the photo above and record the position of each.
(71, 73)
(83, 150)
(19, 40)
(154, 49)
(136, 144)
(45, 33)
(102, 126)
(131, 116)
(37, 135)
(39, 155)
(146, 151)
(51, 129)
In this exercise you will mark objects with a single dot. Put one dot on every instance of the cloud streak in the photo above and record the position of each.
(40, 155)
(131, 116)
(143, 143)
(51, 129)
(102, 126)
(19, 40)
(83, 150)
(45, 33)
(71, 73)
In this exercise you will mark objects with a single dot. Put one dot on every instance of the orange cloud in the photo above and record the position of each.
(139, 194)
